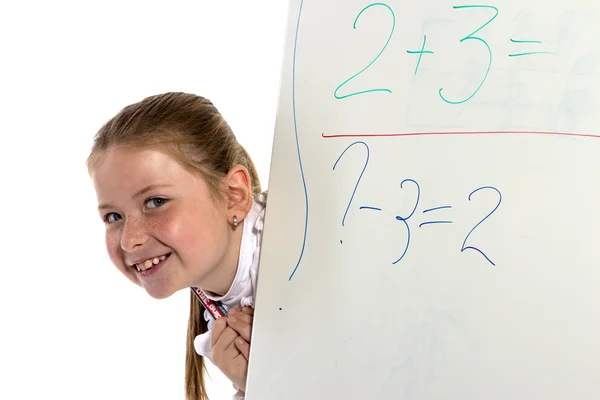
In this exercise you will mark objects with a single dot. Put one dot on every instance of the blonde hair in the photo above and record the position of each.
(190, 129)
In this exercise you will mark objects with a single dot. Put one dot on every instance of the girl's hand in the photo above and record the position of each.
(230, 347)
(241, 319)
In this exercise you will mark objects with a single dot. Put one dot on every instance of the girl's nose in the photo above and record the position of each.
(133, 235)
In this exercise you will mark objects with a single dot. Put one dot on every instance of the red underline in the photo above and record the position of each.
(346, 135)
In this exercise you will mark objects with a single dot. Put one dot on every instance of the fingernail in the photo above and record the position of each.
(232, 319)
(240, 340)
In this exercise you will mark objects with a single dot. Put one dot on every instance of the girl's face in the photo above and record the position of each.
(163, 229)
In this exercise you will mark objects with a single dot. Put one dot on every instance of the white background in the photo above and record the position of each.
(72, 327)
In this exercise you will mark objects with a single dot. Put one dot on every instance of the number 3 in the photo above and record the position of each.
(471, 37)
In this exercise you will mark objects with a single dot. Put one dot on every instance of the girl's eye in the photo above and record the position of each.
(111, 217)
(155, 202)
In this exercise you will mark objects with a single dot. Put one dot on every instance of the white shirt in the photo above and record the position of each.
(242, 290)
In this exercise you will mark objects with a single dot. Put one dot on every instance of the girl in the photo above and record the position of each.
(183, 207)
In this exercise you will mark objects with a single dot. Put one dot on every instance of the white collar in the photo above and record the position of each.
(241, 291)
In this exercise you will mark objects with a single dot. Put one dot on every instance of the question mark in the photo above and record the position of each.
(359, 178)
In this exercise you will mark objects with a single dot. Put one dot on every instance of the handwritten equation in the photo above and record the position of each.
(406, 218)
(526, 47)
(514, 107)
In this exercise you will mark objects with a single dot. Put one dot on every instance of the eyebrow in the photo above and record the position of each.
(138, 193)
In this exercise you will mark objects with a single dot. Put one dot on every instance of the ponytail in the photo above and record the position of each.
(194, 363)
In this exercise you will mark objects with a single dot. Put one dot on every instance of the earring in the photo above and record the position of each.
(235, 221)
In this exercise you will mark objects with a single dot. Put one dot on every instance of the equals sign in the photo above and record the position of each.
(527, 53)
(437, 221)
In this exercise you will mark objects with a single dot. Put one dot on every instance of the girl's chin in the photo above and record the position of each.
(160, 293)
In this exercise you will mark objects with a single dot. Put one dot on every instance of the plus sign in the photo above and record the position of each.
(420, 53)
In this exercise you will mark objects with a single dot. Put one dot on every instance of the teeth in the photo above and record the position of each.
(149, 263)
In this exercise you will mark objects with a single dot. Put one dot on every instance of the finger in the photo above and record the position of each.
(218, 329)
(248, 310)
(243, 347)
(224, 344)
(242, 324)
(239, 313)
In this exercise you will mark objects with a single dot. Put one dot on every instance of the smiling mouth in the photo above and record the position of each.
(150, 263)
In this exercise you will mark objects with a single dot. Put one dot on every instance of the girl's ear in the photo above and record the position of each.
(238, 193)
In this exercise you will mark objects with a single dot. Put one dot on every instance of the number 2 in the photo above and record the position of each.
(375, 59)
(471, 37)
(463, 248)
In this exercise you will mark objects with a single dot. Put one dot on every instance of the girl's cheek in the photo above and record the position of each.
(114, 250)
(113, 247)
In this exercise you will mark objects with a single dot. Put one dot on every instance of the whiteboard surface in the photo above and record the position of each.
(433, 204)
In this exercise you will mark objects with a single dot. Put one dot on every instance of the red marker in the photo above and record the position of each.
(215, 309)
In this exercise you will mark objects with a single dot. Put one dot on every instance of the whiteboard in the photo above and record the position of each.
(434, 201)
